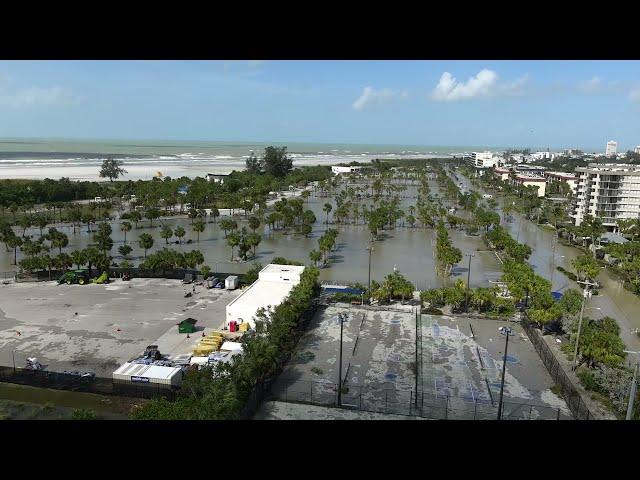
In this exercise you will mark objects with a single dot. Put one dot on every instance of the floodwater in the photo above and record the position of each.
(410, 250)
(613, 300)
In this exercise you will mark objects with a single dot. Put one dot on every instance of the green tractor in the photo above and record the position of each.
(81, 277)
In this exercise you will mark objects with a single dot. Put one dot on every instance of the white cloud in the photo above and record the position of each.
(36, 96)
(484, 84)
(592, 85)
(370, 96)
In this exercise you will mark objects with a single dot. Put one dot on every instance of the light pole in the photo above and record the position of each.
(466, 302)
(13, 357)
(340, 361)
(370, 248)
(585, 294)
(504, 367)
(553, 258)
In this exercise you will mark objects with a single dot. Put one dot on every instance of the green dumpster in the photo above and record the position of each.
(187, 326)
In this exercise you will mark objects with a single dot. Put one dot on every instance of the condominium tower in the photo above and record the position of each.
(609, 191)
(612, 148)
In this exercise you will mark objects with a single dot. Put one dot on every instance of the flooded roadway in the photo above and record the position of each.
(613, 300)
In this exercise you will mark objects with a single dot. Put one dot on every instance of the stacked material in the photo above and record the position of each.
(208, 344)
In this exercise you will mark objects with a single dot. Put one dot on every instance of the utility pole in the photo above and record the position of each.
(553, 258)
(504, 367)
(340, 362)
(370, 248)
(466, 302)
(585, 294)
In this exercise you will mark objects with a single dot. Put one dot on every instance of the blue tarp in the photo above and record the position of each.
(556, 295)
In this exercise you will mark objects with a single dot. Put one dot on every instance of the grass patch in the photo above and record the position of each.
(557, 389)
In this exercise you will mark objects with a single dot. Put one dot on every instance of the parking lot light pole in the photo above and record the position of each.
(585, 294)
(504, 367)
(341, 320)
(466, 302)
(370, 248)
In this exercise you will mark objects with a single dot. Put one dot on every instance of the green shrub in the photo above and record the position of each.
(432, 311)
(83, 414)
(587, 380)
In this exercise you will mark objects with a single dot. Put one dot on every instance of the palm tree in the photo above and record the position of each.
(198, 227)
(315, 257)
(14, 241)
(166, 233)
(78, 257)
(125, 227)
(233, 239)
(327, 209)
(146, 242)
(179, 233)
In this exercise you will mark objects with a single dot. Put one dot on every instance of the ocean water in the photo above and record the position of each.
(81, 159)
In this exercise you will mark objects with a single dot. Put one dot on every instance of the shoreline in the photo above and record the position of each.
(138, 169)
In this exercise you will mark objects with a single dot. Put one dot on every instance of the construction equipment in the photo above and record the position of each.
(80, 277)
(104, 278)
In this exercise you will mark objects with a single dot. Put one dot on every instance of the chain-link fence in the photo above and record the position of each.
(88, 384)
(568, 390)
(378, 399)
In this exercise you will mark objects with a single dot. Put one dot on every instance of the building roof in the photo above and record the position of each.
(261, 294)
(149, 371)
(565, 175)
(527, 178)
(272, 267)
(614, 237)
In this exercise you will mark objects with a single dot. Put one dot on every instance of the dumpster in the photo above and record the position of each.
(187, 326)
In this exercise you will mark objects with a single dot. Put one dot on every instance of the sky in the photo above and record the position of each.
(536, 104)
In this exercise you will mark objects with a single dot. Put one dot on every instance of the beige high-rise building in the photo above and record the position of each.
(612, 148)
(609, 191)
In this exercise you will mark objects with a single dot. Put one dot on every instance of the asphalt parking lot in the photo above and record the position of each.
(99, 327)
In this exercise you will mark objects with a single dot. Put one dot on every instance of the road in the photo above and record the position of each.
(613, 300)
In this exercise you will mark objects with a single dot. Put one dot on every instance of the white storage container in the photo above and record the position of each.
(231, 283)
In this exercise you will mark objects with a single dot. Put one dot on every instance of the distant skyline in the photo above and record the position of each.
(536, 104)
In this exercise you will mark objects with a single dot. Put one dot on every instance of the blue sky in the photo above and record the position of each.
(503, 103)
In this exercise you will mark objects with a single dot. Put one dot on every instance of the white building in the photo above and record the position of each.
(274, 284)
(502, 173)
(637, 149)
(482, 159)
(567, 178)
(609, 191)
(529, 180)
(612, 148)
(140, 373)
(543, 156)
(337, 170)
(216, 177)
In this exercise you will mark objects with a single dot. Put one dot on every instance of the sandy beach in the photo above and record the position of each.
(145, 169)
